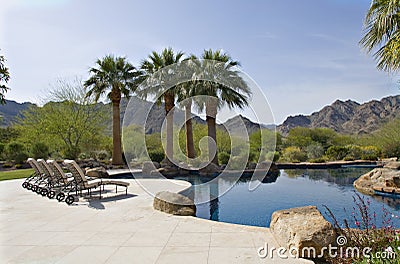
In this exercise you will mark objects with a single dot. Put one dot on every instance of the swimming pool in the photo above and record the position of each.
(293, 188)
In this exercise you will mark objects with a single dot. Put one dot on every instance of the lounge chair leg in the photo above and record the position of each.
(100, 192)
(116, 190)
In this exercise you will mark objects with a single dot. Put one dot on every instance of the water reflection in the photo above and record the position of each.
(292, 188)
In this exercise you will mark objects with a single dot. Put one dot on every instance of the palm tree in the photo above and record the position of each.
(118, 77)
(184, 98)
(4, 77)
(154, 63)
(222, 84)
(185, 92)
(382, 31)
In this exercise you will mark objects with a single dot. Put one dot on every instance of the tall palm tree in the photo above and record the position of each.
(150, 66)
(185, 92)
(4, 77)
(118, 77)
(382, 32)
(222, 83)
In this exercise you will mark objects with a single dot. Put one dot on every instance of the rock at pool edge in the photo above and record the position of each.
(302, 227)
(174, 203)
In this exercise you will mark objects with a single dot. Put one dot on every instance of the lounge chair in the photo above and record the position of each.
(86, 183)
(38, 178)
(66, 181)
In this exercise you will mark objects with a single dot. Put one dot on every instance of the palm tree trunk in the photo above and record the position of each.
(189, 131)
(169, 112)
(211, 113)
(117, 149)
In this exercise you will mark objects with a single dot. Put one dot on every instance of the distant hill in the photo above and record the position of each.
(11, 110)
(235, 125)
(342, 116)
(348, 117)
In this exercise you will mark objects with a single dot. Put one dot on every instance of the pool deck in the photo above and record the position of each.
(119, 229)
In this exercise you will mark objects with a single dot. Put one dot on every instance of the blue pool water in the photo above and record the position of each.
(293, 188)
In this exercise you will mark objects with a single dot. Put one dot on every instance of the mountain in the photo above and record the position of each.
(137, 112)
(236, 125)
(11, 111)
(348, 117)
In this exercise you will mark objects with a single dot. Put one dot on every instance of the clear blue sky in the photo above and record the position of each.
(304, 54)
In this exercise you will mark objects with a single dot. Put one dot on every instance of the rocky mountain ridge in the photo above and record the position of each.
(348, 117)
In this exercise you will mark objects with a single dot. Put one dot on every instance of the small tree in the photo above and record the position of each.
(4, 78)
(67, 123)
(40, 150)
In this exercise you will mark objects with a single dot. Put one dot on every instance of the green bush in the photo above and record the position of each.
(315, 151)
(318, 160)
(354, 153)
(293, 154)
(156, 155)
(72, 153)
(337, 152)
(21, 157)
(272, 156)
(223, 157)
(40, 150)
(102, 155)
(370, 153)
(2, 148)
(13, 150)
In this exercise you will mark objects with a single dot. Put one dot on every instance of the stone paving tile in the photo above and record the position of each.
(233, 240)
(135, 255)
(43, 254)
(32, 238)
(88, 254)
(108, 239)
(9, 253)
(148, 239)
(70, 238)
(192, 255)
(189, 240)
(233, 255)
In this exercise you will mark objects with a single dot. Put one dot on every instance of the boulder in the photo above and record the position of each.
(210, 169)
(377, 179)
(174, 203)
(99, 172)
(149, 166)
(394, 165)
(251, 166)
(300, 228)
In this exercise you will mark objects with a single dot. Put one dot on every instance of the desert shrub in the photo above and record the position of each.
(348, 158)
(102, 155)
(354, 153)
(13, 149)
(361, 231)
(337, 152)
(2, 148)
(40, 150)
(223, 157)
(293, 154)
(83, 156)
(72, 152)
(315, 151)
(8, 165)
(238, 162)
(156, 155)
(272, 156)
(318, 160)
(21, 157)
(370, 153)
